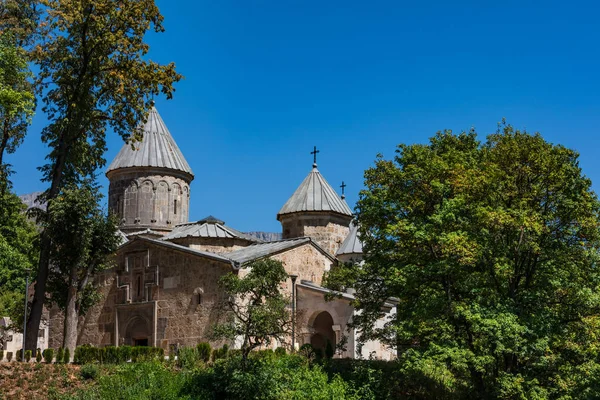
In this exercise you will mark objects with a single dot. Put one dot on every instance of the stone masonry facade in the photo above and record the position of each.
(327, 229)
(144, 198)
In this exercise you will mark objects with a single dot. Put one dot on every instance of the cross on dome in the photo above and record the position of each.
(314, 153)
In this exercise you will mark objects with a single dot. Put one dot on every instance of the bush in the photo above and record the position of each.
(27, 355)
(124, 353)
(143, 353)
(19, 355)
(86, 354)
(89, 371)
(266, 377)
(9, 356)
(111, 355)
(376, 379)
(204, 351)
(147, 380)
(280, 351)
(187, 357)
(220, 353)
(1, 354)
(67, 356)
(48, 355)
(38, 356)
(60, 355)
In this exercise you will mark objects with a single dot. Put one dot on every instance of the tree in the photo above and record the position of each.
(83, 242)
(20, 19)
(18, 252)
(257, 311)
(17, 100)
(93, 75)
(492, 251)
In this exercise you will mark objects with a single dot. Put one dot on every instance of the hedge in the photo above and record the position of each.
(48, 355)
(88, 354)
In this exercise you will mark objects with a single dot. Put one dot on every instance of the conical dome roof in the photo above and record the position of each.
(352, 243)
(156, 149)
(315, 194)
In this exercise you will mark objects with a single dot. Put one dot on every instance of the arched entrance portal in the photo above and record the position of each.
(323, 331)
(138, 332)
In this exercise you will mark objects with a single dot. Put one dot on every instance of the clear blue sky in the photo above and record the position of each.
(267, 80)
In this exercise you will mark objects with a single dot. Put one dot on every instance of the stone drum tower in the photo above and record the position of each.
(315, 210)
(150, 181)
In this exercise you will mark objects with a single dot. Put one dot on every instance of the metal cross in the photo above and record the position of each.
(314, 153)
(343, 186)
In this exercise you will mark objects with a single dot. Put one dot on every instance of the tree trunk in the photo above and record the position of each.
(39, 295)
(71, 315)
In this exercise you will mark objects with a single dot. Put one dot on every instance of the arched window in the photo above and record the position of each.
(198, 294)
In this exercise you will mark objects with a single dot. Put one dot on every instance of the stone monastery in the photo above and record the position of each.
(164, 288)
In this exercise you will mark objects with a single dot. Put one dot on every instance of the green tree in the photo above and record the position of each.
(257, 311)
(93, 75)
(17, 101)
(18, 252)
(83, 242)
(492, 251)
(20, 19)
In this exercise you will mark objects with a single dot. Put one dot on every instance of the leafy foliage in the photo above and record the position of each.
(204, 351)
(18, 252)
(93, 75)
(257, 310)
(48, 355)
(89, 372)
(492, 251)
(84, 238)
(17, 100)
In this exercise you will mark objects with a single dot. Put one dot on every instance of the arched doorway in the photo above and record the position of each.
(323, 331)
(138, 332)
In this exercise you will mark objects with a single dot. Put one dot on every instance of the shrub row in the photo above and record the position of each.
(28, 355)
(88, 354)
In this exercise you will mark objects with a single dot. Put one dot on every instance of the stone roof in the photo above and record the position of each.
(156, 149)
(174, 246)
(315, 194)
(352, 243)
(209, 227)
(260, 250)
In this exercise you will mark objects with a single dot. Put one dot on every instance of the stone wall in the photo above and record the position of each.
(212, 245)
(305, 261)
(310, 304)
(328, 230)
(147, 198)
(180, 310)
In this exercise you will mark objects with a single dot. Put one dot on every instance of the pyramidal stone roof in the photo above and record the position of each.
(156, 149)
(209, 227)
(352, 243)
(315, 194)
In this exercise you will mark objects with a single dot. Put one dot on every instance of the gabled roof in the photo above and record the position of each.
(156, 149)
(315, 194)
(352, 243)
(261, 250)
(173, 246)
(209, 227)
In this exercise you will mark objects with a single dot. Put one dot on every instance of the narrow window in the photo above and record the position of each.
(199, 298)
(175, 207)
(139, 286)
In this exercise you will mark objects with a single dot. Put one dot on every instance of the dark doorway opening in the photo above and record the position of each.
(140, 342)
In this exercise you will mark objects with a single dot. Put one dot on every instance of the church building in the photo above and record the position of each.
(163, 290)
